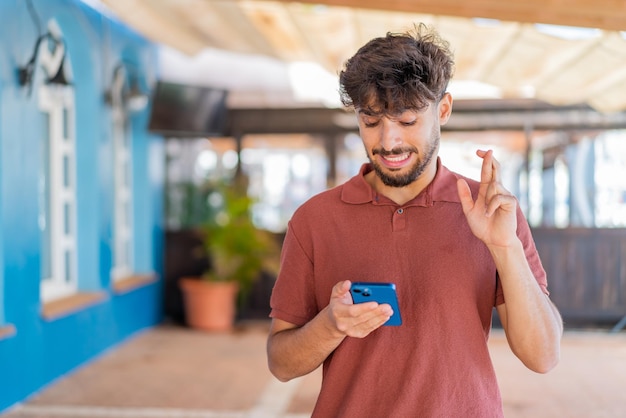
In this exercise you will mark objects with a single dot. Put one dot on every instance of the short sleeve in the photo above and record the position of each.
(293, 297)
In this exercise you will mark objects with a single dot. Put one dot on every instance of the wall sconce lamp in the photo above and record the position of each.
(52, 60)
(125, 91)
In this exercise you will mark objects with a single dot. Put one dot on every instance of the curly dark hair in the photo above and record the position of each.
(397, 72)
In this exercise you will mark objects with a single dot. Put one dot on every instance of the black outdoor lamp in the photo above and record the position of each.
(27, 72)
(125, 90)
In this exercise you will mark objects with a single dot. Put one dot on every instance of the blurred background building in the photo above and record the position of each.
(117, 116)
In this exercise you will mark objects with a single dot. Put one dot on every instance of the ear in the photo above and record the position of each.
(445, 108)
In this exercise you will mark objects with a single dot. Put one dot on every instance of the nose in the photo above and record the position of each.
(390, 134)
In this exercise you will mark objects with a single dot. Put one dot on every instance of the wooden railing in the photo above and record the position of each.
(586, 272)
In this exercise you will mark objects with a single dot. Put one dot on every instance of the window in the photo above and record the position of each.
(283, 171)
(122, 193)
(57, 193)
(561, 192)
(193, 165)
(350, 156)
(610, 198)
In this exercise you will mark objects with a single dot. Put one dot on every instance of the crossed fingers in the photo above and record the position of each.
(494, 193)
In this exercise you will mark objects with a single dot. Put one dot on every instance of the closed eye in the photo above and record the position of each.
(370, 124)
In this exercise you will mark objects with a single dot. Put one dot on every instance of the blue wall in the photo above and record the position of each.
(42, 350)
(1, 200)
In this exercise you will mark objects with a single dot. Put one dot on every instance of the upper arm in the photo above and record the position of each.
(278, 325)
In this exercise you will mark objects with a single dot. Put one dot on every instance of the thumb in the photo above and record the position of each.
(341, 289)
(465, 195)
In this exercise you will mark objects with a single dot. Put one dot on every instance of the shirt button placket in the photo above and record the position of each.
(399, 219)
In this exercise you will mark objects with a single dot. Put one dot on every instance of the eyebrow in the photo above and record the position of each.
(373, 113)
(369, 112)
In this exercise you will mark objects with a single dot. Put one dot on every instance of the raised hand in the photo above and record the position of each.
(492, 217)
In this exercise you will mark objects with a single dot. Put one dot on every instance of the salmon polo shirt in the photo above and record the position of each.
(436, 364)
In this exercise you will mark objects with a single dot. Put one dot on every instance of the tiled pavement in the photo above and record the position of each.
(172, 371)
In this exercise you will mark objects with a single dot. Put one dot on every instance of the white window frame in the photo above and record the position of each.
(122, 263)
(58, 102)
(58, 209)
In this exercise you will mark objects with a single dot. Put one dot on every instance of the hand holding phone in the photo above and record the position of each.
(378, 292)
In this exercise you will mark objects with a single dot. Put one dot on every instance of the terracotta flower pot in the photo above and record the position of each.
(209, 306)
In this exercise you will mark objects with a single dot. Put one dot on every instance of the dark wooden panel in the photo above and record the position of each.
(586, 271)
(586, 274)
(184, 258)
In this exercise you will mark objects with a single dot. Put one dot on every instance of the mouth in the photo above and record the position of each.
(395, 161)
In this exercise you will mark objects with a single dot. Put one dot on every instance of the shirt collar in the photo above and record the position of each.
(442, 189)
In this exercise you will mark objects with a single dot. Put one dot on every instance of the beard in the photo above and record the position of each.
(391, 177)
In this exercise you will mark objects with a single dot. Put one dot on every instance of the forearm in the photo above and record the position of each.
(295, 352)
(532, 323)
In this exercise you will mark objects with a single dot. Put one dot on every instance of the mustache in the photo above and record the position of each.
(395, 151)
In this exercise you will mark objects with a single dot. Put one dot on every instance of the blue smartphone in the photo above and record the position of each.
(378, 292)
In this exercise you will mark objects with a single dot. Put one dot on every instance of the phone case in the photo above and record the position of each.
(378, 292)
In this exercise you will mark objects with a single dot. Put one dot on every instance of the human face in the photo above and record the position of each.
(402, 147)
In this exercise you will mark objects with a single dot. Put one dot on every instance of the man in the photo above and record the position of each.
(455, 248)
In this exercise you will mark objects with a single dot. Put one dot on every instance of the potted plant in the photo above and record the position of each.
(238, 252)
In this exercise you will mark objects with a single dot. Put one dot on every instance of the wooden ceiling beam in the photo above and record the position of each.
(467, 116)
(600, 14)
